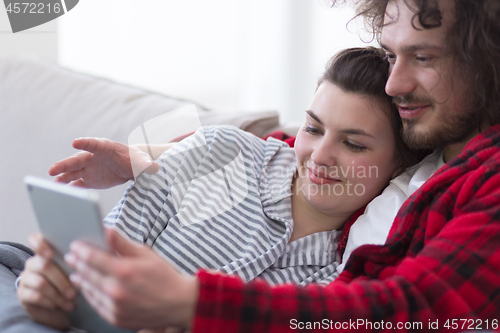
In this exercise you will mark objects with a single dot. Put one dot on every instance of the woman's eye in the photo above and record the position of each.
(354, 147)
(312, 130)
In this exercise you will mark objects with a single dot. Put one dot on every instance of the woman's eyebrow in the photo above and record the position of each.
(356, 131)
(313, 116)
(353, 131)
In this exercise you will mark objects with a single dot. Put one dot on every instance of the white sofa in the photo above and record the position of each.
(43, 107)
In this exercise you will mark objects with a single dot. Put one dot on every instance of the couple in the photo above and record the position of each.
(440, 261)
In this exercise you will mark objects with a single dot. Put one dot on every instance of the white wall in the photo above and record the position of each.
(40, 40)
(225, 54)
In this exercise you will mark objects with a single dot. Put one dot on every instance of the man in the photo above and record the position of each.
(440, 267)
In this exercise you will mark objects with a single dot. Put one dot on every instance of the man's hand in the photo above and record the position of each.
(44, 289)
(102, 164)
(135, 288)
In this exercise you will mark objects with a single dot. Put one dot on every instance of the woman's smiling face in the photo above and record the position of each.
(346, 153)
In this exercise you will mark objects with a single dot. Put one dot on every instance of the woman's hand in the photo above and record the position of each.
(102, 164)
(134, 289)
(44, 289)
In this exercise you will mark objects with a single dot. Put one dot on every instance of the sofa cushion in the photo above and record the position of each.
(44, 107)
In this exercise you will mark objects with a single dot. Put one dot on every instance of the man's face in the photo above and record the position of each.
(429, 89)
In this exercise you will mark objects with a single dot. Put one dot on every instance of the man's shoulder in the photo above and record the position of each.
(481, 154)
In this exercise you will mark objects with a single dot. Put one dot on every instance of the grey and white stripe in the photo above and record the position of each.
(222, 200)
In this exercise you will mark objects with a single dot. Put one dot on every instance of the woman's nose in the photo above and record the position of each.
(324, 153)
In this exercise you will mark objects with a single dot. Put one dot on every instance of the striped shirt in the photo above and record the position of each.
(222, 200)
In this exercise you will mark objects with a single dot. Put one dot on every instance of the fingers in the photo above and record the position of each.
(96, 145)
(84, 273)
(79, 183)
(46, 276)
(121, 245)
(80, 159)
(128, 290)
(72, 163)
(84, 258)
(92, 282)
(82, 143)
(90, 144)
(40, 293)
(87, 260)
(96, 297)
(43, 283)
(152, 169)
(35, 290)
(72, 177)
(41, 246)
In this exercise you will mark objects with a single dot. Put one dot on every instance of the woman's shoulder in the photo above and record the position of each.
(229, 133)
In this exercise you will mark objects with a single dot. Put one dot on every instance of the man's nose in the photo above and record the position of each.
(401, 80)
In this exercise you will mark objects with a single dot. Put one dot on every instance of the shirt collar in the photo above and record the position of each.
(277, 180)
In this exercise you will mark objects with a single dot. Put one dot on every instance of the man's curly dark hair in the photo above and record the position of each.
(474, 41)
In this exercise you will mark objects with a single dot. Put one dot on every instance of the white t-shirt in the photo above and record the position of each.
(374, 225)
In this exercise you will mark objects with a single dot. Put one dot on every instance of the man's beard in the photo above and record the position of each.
(452, 128)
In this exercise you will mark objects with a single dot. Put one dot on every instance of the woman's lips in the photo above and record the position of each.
(320, 179)
(411, 111)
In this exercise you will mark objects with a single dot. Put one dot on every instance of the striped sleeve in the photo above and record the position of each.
(148, 204)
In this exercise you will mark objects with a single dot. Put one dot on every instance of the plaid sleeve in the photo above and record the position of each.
(439, 270)
(227, 305)
(456, 276)
(280, 135)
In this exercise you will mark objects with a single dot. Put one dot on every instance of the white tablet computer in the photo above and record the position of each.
(66, 213)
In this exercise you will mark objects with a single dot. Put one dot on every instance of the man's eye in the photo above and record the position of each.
(354, 147)
(391, 58)
(312, 130)
(423, 59)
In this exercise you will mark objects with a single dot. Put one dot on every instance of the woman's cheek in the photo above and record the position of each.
(365, 176)
(300, 147)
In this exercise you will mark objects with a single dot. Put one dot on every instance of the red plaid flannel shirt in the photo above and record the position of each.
(440, 265)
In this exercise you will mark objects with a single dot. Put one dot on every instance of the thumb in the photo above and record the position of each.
(121, 245)
(152, 169)
(41, 246)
